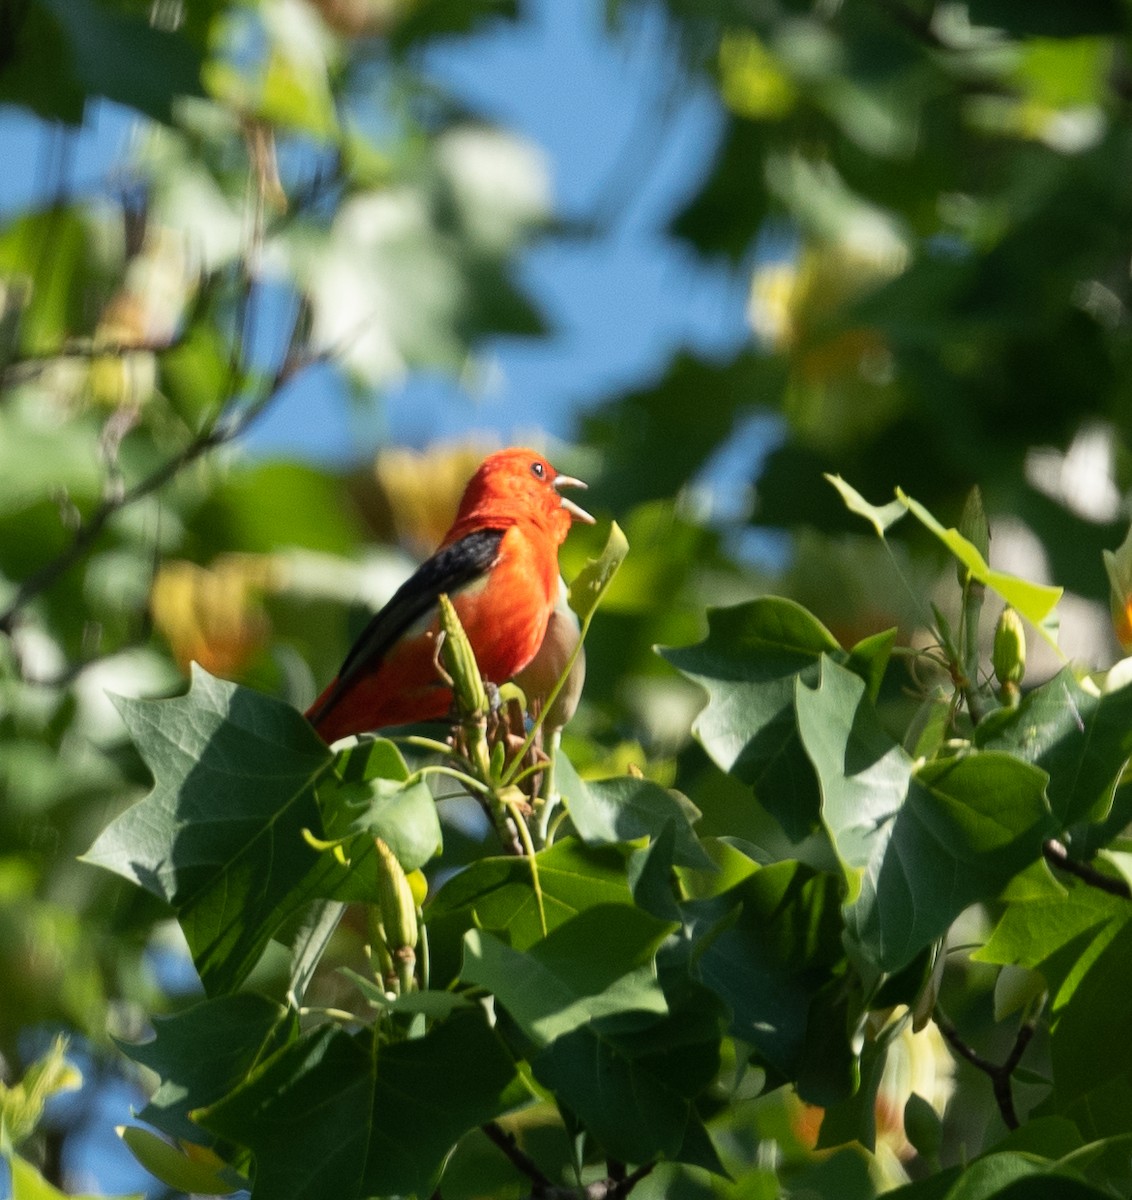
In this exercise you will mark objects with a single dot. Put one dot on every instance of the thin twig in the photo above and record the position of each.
(88, 533)
(522, 1161)
(999, 1073)
(615, 1186)
(1055, 853)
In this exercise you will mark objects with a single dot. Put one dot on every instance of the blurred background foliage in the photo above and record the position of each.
(926, 202)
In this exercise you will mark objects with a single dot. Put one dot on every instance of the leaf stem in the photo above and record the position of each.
(548, 703)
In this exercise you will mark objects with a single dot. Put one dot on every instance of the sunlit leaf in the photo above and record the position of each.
(1035, 601)
(177, 1169)
(748, 664)
(220, 837)
(918, 844)
(880, 518)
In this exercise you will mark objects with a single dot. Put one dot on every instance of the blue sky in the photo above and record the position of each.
(625, 139)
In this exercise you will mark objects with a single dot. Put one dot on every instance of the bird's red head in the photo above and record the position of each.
(519, 484)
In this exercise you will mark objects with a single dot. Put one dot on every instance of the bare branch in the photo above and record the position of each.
(1055, 853)
(999, 1073)
(615, 1186)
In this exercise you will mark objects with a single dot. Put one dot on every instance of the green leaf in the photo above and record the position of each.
(404, 817)
(731, 867)
(497, 894)
(598, 964)
(881, 519)
(22, 1104)
(869, 658)
(430, 1092)
(767, 951)
(1082, 740)
(1091, 1043)
(196, 374)
(220, 836)
(593, 580)
(747, 665)
(1049, 18)
(917, 845)
(383, 1124)
(176, 1169)
(656, 438)
(318, 1091)
(623, 809)
(1028, 934)
(727, 212)
(201, 1054)
(312, 935)
(632, 1089)
(432, 1004)
(66, 51)
(1034, 601)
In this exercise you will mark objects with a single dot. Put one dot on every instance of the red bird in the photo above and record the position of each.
(498, 564)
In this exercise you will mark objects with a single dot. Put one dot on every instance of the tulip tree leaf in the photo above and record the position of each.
(201, 1054)
(220, 836)
(777, 934)
(384, 1122)
(626, 808)
(593, 580)
(179, 1170)
(1082, 740)
(917, 845)
(1035, 601)
(632, 1088)
(747, 665)
(598, 964)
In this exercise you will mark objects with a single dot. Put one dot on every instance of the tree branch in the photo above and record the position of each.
(85, 536)
(998, 1073)
(1055, 853)
(615, 1186)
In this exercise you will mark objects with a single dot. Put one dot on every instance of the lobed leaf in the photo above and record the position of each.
(917, 844)
(220, 836)
(747, 664)
(598, 964)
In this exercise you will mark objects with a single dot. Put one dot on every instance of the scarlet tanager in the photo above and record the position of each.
(499, 566)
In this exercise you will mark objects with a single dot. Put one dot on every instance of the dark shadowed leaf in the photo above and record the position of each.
(768, 945)
(598, 964)
(201, 1054)
(632, 1089)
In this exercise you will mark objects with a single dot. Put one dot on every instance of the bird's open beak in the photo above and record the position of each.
(575, 510)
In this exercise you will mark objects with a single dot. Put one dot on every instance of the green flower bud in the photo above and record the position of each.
(974, 527)
(395, 901)
(1009, 654)
(460, 662)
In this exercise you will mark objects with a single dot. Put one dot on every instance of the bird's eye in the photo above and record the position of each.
(538, 470)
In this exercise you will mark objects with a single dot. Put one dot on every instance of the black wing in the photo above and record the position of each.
(448, 570)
